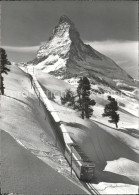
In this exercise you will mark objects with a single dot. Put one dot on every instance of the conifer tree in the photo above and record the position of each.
(85, 101)
(3, 68)
(110, 111)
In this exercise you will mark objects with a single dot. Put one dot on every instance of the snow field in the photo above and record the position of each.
(23, 118)
(104, 146)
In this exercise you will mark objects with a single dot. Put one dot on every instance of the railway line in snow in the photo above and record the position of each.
(92, 189)
(65, 135)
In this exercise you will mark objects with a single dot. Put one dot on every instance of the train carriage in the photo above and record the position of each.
(79, 162)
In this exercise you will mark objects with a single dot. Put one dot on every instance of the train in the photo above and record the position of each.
(79, 162)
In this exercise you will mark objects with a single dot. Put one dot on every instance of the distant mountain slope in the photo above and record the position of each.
(65, 55)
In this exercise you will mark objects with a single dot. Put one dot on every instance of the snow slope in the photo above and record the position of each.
(114, 152)
(23, 173)
(53, 84)
(23, 118)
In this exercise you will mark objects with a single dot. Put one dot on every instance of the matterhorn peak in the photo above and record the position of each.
(65, 30)
(66, 54)
(65, 19)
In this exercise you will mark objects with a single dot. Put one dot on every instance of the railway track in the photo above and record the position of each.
(92, 189)
(88, 186)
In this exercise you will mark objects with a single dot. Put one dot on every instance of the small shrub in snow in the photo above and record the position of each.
(68, 98)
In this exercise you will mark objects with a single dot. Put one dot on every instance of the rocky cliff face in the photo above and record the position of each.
(65, 55)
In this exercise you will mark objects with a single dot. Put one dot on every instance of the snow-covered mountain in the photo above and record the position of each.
(65, 55)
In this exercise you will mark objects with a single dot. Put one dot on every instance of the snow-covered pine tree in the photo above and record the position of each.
(110, 110)
(84, 101)
(3, 68)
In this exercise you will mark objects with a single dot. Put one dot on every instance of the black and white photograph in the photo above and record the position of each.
(69, 97)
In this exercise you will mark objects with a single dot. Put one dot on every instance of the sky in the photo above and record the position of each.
(111, 27)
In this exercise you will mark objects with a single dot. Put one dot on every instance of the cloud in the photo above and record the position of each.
(124, 53)
(110, 47)
(30, 49)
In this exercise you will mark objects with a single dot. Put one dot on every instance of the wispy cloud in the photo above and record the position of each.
(124, 53)
(21, 49)
(110, 47)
